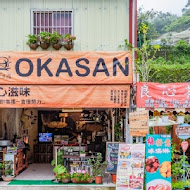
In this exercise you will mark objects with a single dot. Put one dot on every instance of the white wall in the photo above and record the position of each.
(98, 24)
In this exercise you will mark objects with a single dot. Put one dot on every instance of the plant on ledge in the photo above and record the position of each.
(61, 174)
(81, 176)
(68, 39)
(32, 41)
(55, 40)
(8, 171)
(98, 167)
(44, 39)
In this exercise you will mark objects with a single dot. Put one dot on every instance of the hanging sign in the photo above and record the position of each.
(156, 95)
(112, 149)
(183, 131)
(68, 96)
(138, 123)
(59, 67)
(130, 170)
(158, 162)
(184, 146)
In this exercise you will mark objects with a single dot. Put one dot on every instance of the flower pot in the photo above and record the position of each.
(87, 181)
(33, 46)
(164, 118)
(68, 46)
(180, 119)
(90, 180)
(66, 180)
(7, 178)
(98, 179)
(57, 46)
(44, 45)
(113, 177)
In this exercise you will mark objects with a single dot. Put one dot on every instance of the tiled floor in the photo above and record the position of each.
(37, 172)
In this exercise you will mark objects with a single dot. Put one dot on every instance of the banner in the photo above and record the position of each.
(68, 96)
(130, 170)
(64, 67)
(158, 162)
(155, 95)
(138, 123)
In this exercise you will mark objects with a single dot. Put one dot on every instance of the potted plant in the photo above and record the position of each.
(82, 153)
(32, 41)
(177, 165)
(55, 40)
(61, 174)
(44, 39)
(8, 171)
(65, 177)
(98, 167)
(68, 39)
(81, 176)
(180, 117)
(113, 177)
(164, 117)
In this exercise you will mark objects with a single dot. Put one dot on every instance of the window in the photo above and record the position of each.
(46, 20)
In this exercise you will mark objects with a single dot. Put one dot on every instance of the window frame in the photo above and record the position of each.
(50, 11)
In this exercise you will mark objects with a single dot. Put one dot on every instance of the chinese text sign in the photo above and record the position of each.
(158, 162)
(155, 95)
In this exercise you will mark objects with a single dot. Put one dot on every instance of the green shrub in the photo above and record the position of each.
(167, 73)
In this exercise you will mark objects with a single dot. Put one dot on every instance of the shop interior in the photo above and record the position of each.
(67, 136)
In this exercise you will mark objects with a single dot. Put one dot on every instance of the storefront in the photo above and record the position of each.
(62, 102)
(169, 113)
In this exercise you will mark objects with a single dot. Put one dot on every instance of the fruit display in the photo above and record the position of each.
(165, 169)
(152, 164)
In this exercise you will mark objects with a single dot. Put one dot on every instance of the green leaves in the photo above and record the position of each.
(45, 36)
(55, 37)
(32, 39)
(97, 165)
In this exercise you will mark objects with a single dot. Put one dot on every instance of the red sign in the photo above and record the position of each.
(156, 95)
(184, 146)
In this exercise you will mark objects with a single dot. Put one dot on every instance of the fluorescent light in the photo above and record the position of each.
(72, 110)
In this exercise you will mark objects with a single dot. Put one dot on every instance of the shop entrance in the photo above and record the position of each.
(67, 136)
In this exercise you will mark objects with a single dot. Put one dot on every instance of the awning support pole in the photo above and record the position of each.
(113, 125)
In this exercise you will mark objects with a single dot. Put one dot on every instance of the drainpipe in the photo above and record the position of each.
(134, 34)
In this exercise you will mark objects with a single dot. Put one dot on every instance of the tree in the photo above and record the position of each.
(146, 17)
(145, 56)
(162, 20)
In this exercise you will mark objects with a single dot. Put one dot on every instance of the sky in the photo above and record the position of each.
(172, 6)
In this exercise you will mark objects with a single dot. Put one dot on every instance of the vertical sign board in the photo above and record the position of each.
(130, 169)
(112, 156)
(158, 162)
(138, 123)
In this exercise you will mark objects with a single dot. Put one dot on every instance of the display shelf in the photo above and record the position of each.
(20, 161)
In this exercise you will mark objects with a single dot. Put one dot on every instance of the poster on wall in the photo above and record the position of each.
(138, 123)
(158, 162)
(130, 170)
(112, 156)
